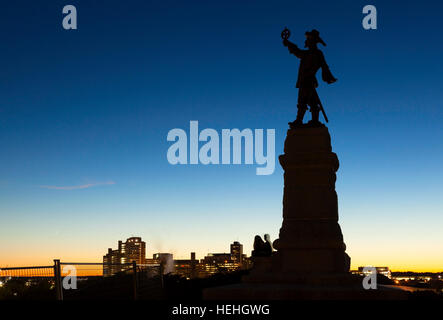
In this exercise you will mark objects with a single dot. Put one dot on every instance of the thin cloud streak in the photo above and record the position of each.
(83, 186)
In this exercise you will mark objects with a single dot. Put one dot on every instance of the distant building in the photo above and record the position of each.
(224, 262)
(380, 270)
(166, 261)
(162, 256)
(219, 262)
(133, 250)
(186, 268)
(237, 252)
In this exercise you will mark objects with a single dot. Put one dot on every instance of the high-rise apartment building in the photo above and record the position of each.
(132, 250)
(237, 252)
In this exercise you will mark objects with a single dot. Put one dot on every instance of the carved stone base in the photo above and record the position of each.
(310, 243)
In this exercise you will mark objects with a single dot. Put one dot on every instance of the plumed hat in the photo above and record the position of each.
(315, 35)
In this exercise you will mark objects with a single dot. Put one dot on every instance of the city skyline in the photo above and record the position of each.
(84, 118)
(203, 255)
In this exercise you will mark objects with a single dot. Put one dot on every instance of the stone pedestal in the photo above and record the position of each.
(310, 239)
(310, 247)
(310, 262)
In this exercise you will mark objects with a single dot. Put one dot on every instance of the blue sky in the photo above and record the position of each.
(93, 107)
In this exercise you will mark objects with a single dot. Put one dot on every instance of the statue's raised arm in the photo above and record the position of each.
(294, 49)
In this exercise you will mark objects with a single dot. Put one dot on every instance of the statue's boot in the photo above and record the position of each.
(300, 115)
(315, 116)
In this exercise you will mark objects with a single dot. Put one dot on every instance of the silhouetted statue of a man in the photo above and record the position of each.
(311, 60)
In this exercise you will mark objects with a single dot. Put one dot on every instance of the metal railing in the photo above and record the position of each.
(92, 280)
(28, 272)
